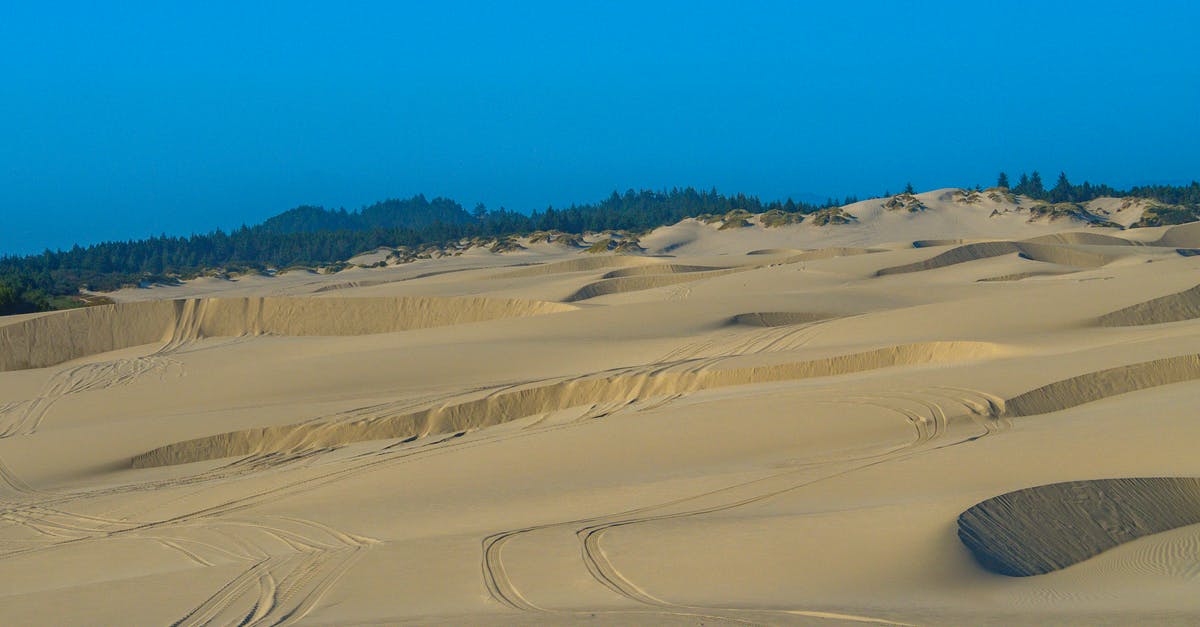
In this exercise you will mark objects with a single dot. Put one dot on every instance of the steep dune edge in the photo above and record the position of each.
(1018, 276)
(828, 253)
(659, 268)
(934, 243)
(1181, 236)
(1094, 386)
(620, 285)
(1183, 305)
(779, 318)
(578, 265)
(514, 403)
(1045, 528)
(1051, 253)
(645, 277)
(1083, 238)
(53, 339)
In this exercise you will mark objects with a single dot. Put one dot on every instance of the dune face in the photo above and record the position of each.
(579, 264)
(640, 282)
(511, 405)
(779, 318)
(665, 268)
(1184, 305)
(1102, 384)
(743, 426)
(50, 340)
(1039, 530)
(1063, 255)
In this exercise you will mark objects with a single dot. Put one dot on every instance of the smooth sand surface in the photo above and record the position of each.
(786, 425)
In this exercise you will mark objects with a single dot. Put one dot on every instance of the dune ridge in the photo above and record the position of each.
(637, 283)
(1101, 384)
(660, 268)
(1050, 253)
(512, 404)
(1181, 236)
(829, 253)
(1176, 307)
(53, 339)
(1083, 238)
(779, 318)
(645, 277)
(1046, 528)
(1017, 276)
(580, 264)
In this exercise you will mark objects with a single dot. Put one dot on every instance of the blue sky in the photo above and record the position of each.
(139, 118)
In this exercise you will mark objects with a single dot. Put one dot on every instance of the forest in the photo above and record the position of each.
(312, 236)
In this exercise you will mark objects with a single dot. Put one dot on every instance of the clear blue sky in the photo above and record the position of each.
(130, 119)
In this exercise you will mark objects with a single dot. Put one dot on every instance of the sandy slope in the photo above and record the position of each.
(765, 426)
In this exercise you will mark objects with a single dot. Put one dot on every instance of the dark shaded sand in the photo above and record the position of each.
(1183, 305)
(1046, 528)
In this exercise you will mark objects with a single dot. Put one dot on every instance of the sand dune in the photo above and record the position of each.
(508, 405)
(828, 253)
(1094, 386)
(1082, 238)
(579, 264)
(1181, 236)
(935, 243)
(773, 436)
(49, 340)
(779, 318)
(1063, 255)
(1017, 276)
(775, 251)
(638, 283)
(662, 268)
(1184, 305)
(1046, 528)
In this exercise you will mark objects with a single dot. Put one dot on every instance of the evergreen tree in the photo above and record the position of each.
(1036, 189)
(1062, 192)
(1022, 185)
(1002, 180)
(908, 189)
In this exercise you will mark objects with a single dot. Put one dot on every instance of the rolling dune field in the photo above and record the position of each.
(959, 416)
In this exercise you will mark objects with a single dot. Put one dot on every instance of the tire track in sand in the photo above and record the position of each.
(929, 430)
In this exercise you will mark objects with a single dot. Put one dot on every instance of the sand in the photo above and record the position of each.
(950, 416)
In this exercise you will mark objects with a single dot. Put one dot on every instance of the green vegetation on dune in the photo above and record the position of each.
(1073, 210)
(418, 228)
(1166, 215)
(316, 237)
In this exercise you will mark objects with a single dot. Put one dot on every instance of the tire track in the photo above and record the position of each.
(589, 535)
(24, 417)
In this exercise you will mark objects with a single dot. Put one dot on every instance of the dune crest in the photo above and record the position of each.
(779, 318)
(52, 339)
(1049, 253)
(637, 283)
(581, 264)
(1046, 528)
(1101, 384)
(512, 404)
(1176, 307)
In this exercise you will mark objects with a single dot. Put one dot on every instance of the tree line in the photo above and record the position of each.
(1064, 191)
(311, 236)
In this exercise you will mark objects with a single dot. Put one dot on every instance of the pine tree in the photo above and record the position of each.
(1062, 192)
(1023, 185)
(1002, 180)
(1036, 189)
(908, 189)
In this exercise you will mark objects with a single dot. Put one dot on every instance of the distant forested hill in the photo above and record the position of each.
(315, 236)
(414, 213)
